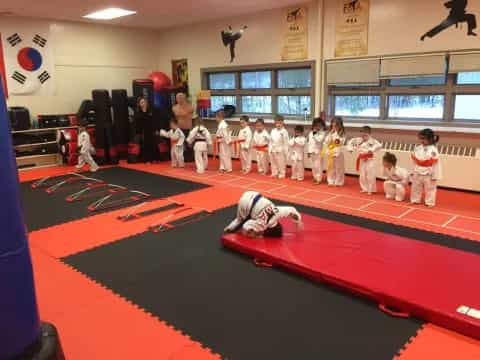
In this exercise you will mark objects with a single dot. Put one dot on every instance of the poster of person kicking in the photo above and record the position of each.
(351, 28)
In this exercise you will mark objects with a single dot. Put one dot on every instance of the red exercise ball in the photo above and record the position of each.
(160, 80)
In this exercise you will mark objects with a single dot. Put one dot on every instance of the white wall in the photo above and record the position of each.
(261, 43)
(395, 27)
(87, 57)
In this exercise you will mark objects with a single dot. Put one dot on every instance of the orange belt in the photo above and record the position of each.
(424, 163)
(361, 157)
(173, 142)
(263, 148)
(237, 145)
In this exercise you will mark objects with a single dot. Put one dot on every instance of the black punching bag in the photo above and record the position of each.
(104, 142)
(120, 121)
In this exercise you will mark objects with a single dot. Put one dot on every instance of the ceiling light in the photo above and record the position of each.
(109, 14)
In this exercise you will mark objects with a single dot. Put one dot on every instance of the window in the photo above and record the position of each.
(256, 80)
(452, 94)
(222, 81)
(294, 78)
(466, 107)
(257, 104)
(416, 106)
(217, 102)
(284, 88)
(468, 78)
(417, 81)
(357, 106)
(294, 105)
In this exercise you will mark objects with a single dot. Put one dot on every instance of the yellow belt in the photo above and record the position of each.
(330, 148)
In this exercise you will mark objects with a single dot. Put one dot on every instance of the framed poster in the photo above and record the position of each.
(180, 73)
(295, 36)
(351, 30)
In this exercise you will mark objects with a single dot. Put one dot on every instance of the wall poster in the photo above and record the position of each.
(351, 33)
(295, 37)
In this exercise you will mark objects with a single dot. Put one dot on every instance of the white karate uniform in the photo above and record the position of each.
(278, 150)
(334, 149)
(424, 179)
(314, 150)
(86, 151)
(245, 142)
(297, 154)
(177, 140)
(368, 178)
(261, 142)
(224, 140)
(262, 216)
(396, 181)
(200, 138)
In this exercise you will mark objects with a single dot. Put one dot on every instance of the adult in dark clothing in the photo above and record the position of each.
(458, 14)
(145, 127)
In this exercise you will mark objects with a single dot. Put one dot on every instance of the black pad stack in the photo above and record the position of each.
(105, 144)
(120, 121)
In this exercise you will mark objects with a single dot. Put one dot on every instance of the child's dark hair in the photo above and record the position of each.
(390, 158)
(279, 117)
(299, 129)
(320, 122)
(339, 121)
(260, 121)
(366, 129)
(244, 118)
(429, 135)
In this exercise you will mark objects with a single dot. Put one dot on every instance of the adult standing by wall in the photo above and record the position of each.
(183, 111)
(145, 127)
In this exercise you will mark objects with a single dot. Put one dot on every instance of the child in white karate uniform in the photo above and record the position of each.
(366, 147)
(297, 153)
(257, 216)
(334, 150)
(224, 141)
(396, 178)
(177, 140)
(245, 144)
(200, 139)
(261, 140)
(314, 148)
(278, 148)
(427, 169)
(85, 150)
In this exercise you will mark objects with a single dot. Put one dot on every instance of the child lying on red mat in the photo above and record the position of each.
(257, 216)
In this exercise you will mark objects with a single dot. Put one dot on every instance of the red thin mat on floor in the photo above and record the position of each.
(94, 323)
(422, 279)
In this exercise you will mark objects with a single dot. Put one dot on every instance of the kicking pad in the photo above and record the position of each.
(405, 276)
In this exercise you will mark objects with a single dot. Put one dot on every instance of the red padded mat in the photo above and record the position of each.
(424, 280)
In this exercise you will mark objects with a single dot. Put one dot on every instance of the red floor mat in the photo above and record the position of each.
(436, 343)
(428, 281)
(94, 323)
(80, 235)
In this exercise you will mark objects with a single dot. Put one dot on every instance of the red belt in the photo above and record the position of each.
(361, 157)
(424, 163)
(263, 148)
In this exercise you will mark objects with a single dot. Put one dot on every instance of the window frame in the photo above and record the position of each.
(273, 91)
(449, 90)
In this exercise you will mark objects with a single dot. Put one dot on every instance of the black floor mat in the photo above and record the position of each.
(44, 210)
(221, 299)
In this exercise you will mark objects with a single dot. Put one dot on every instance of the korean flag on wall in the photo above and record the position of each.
(28, 61)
